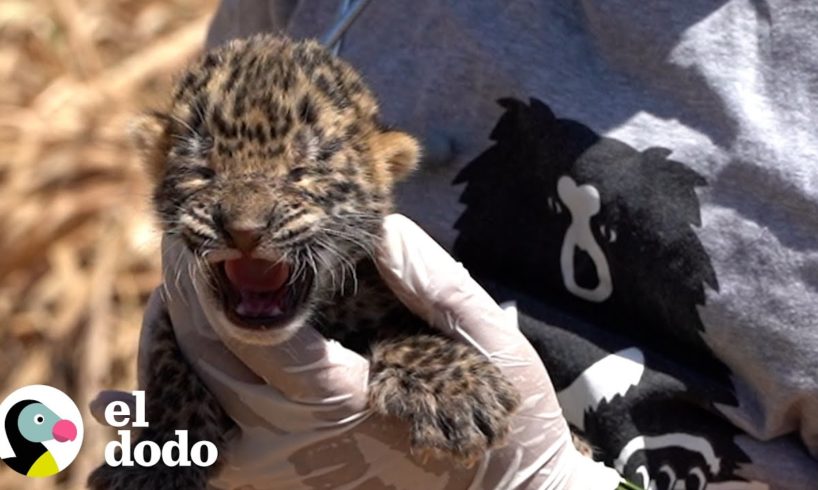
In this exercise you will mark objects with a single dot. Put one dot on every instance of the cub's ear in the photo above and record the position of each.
(150, 135)
(399, 151)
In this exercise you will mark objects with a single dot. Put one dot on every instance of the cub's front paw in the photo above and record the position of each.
(457, 403)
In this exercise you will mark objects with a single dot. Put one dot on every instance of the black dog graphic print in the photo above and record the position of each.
(639, 418)
(592, 224)
(642, 415)
(606, 234)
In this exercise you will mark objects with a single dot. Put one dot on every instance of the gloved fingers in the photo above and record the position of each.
(153, 311)
(309, 368)
(439, 289)
(433, 285)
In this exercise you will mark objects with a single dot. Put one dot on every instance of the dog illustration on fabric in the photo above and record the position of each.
(639, 417)
(692, 450)
(563, 213)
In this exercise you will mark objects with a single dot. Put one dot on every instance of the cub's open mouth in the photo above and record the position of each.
(259, 294)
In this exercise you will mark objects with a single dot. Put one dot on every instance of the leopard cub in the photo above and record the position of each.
(270, 164)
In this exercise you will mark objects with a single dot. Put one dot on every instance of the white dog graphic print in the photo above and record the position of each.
(582, 203)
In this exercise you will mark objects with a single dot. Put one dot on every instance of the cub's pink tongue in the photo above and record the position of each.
(256, 275)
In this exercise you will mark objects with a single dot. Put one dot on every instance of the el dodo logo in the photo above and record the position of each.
(148, 453)
(40, 431)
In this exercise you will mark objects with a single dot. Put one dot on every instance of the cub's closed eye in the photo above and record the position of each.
(204, 172)
(297, 173)
(194, 178)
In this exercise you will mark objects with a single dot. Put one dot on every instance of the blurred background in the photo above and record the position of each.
(78, 246)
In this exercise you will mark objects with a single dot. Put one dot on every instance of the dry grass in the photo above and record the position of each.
(78, 249)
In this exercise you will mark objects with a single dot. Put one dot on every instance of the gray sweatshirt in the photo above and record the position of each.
(638, 180)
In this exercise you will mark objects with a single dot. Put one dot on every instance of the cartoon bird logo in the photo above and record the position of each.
(29, 424)
(39, 442)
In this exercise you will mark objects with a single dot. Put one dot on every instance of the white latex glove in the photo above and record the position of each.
(301, 405)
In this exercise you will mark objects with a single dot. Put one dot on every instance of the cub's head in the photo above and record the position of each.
(271, 166)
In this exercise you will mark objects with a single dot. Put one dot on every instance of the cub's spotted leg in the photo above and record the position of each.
(175, 399)
(458, 403)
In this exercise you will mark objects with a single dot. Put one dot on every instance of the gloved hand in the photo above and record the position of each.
(301, 405)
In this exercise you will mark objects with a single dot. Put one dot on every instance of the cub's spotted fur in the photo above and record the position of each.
(271, 165)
